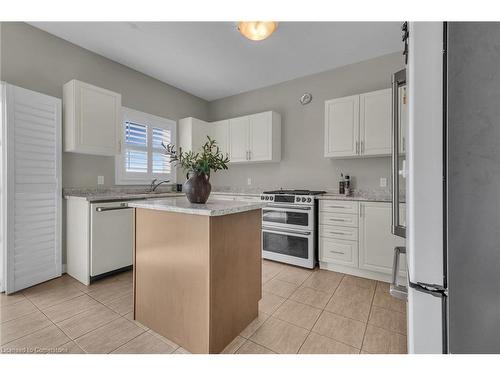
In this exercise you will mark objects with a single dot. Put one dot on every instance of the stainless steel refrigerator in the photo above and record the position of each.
(447, 168)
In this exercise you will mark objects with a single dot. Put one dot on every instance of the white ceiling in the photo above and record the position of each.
(212, 60)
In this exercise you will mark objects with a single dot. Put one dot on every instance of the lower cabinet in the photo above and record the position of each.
(355, 238)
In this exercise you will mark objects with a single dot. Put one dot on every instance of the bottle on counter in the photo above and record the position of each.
(342, 184)
(347, 185)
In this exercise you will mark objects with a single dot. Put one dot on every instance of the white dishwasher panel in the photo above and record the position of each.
(111, 237)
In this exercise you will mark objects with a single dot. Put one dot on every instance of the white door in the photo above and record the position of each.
(375, 122)
(376, 242)
(342, 127)
(33, 197)
(111, 237)
(220, 132)
(238, 139)
(261, 134)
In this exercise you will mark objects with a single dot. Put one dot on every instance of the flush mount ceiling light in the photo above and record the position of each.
(257, 30)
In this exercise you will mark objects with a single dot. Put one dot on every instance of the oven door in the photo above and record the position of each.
(288, 217)
(288, 246)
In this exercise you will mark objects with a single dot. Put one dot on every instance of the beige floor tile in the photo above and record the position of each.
(130, 316)
(388, 319)
(108, 291)
(17, 328)
(355, 293)
(325, 281)
(270, 270)
(70, 348)
(49, 296)
(181, 350)
(385, 300)
(294, 275)
(317, 344)
(69, 308)
(122, 305)
(252, 327)
(270, 302)
(107, 338)
(349, 307)
(146, 343)
(297, 313)
(359, 282)
(382, 287)
(45, 340)
(164, 339)
(279, 288)
(280, 336)
(311, 297)
(6, 300)
(380, 341)
(234, 345)
(87, 321)
(16, 310)
(250, 347)
(345, 330)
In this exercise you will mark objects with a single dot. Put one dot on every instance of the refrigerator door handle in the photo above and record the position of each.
(397, 290)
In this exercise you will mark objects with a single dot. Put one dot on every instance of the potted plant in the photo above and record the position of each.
(198, 166)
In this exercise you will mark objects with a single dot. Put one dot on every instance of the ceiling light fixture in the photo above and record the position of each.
(257, 30)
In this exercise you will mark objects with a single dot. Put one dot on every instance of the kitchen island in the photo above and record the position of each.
(197, 269)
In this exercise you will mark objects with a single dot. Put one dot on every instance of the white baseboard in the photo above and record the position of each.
(359, 272)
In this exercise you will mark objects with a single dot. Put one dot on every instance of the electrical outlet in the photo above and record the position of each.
(100, 180)
(383, 182)
(249, 181)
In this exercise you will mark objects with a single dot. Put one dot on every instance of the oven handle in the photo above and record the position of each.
(290, 207)
(281, 230)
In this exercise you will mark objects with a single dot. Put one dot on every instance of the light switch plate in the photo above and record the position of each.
(100, 180)
(383, 182)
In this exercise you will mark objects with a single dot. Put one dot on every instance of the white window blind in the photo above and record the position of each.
(142, 157)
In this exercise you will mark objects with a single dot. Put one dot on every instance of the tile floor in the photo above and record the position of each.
(301, 311)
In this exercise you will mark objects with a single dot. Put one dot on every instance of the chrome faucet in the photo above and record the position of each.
(154, 185)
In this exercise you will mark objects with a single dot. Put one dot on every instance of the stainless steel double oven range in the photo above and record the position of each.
(289, 227)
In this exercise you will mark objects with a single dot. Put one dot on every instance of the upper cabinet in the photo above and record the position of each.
(255, 138)
(247, 139)
(358, 125)
(92, 117)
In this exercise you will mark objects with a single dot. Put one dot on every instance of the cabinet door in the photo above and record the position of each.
(375, 123)
(342, 127)
(376, 242)
(238, 139)
(220, 132)
(93, 119)
(261, 134)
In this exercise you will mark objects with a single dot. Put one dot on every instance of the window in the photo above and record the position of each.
(142, 157)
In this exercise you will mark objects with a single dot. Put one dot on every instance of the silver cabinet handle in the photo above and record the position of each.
(362, 148)
(341, 220)
(397, 290)
(357, 147)
(306, 208)
(336, 252)
(337, 207)
(340, 233)
(287, 231)
(249, 154)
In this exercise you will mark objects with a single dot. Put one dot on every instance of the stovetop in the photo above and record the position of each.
(295, 192)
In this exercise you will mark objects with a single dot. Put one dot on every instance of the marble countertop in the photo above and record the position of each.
(356, 197)
(213, 207)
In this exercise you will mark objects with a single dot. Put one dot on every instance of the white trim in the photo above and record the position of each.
(128, 114)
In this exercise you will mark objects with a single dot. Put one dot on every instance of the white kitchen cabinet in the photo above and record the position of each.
(220, 132)
(358, 125)
(376, 242)
(239, 139)
(92, 119)
(342, 127)
(193, 133)
(355, 238)
(375, 123)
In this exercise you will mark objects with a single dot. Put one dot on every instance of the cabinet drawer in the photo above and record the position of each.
(343, 207)
(338, 251)
(341, 233)
(343, 220)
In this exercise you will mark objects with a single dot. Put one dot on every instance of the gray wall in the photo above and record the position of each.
(303, 164)
(39, 61)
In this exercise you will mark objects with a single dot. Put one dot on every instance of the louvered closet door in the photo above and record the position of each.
(33, 188)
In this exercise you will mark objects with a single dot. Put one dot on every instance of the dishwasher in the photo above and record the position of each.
(111, 238)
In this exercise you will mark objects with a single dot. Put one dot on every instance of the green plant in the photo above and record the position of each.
(209, 159)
